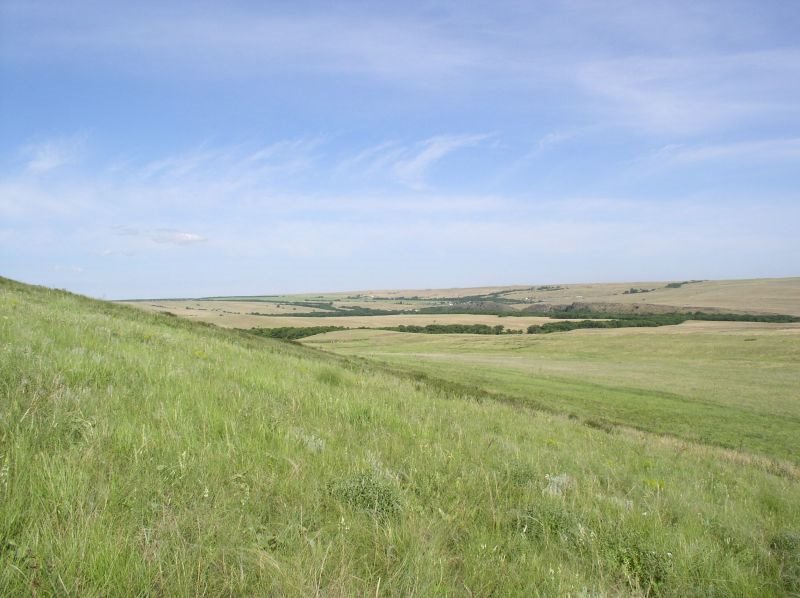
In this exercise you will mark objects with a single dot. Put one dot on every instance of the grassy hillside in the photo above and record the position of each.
(734, 384)
(141, 454)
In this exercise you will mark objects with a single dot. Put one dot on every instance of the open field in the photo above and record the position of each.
(230, 319)
(217, 312)
(776, 296)
(768, 295)
(735, 384)
(397, 294)
(142, 454)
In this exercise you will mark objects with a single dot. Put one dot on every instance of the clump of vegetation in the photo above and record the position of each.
(646, 320)
(766, 318)
(291, 333)
(677, 285)
(569, 325)
(634, 291)
(786, 547)
(452, 329)
(367, 491)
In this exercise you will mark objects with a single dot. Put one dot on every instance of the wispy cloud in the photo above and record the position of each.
(236, 41)
(266, 180)
(407, 164)
(44, 156)
(372, 161)
(345, 143)
(162, 235)
(115, 252)
(686, 95)
(768, 150)
(177, 237)
(413, 170)
(244, 162)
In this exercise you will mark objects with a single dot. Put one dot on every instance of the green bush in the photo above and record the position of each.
(367, 492)
(290, 333)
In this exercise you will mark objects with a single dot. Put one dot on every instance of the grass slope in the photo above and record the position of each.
(145, 455)
(730, 384)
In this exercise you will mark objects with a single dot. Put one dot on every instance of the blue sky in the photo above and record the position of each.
(156, 149)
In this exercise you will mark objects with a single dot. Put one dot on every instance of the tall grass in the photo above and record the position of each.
(144, 455)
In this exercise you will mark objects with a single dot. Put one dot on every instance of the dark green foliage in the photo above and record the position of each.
(771, 319)
(646, 320)
(330, 376)
(290, 333)
(451, 329)
(334, 312)
(570, 325)
(786, 548)
(627, 550)
(644, 567)
(600, 424)
(546, 521)
(368, 492)
(677, 285)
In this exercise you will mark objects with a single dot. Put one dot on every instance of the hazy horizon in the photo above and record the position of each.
(336, 291)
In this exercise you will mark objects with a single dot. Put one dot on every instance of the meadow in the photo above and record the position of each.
(733, 384)
(143, 454)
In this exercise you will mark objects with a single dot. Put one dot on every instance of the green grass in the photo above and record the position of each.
(146, 455)
(737, 389)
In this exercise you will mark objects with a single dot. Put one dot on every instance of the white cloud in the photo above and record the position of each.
(266, 181)
(229, 201)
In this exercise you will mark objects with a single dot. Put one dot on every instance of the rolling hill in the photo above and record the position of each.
(143, 454)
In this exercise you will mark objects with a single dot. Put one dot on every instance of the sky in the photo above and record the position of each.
(187, 149)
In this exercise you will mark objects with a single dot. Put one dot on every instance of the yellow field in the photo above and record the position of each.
(228, 316)
(769, 295)
(777, 295)
(440, 293)
(772, 295)
(223, 313)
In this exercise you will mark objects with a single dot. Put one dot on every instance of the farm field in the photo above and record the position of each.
(766, 295)
(776, 296)
(735, 384)
(230, 319)
(143, 454)
(217, 312)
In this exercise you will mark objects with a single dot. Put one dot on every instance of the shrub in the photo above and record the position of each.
(367, 492)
